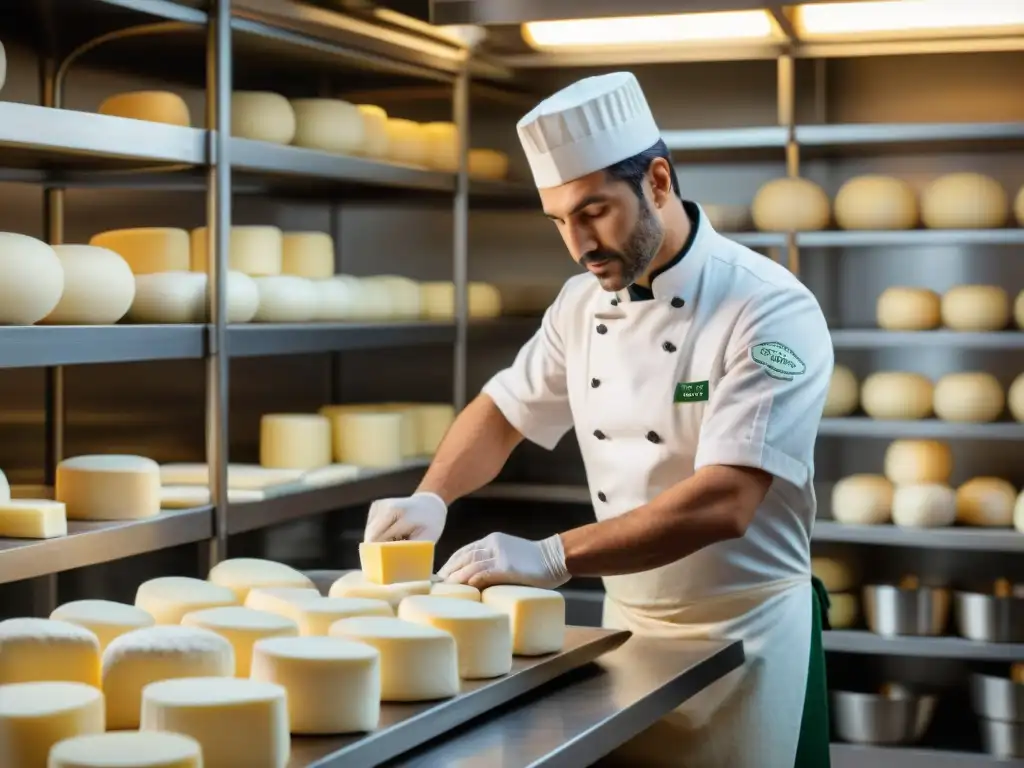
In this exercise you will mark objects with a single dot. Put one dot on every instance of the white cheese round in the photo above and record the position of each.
(843, 393)
(128, 749)
(308, 254)
(442, 146)
(36, 650)
(875, 202)
(168, 598)
(315, 616)
(403, 295)
(255, 251)
(407, 142)
(104, 618)
(243, 298)
(110, 487)
(98, 287)
(897, 395)
(862, 500)
(36, 716)
(787, 205)
(148, 250)
(240, 574)
(262, 116)
(903, 308)
(986, 501)
(169, 297)
(331, 125)
(375, 128)
(843, 610)
(368, 439)
(1018, 310)
(488, 164)
(924, 506)
(835, 575)
(286, 299)
(283, 601)
(537, 617)
(433, 420)
(1015, 398)
(295, 441)
(152, 106)
(976, 308)
(964, 201)
(455, 591)
(31, 279)
(916, 462)
(242, 627)
(969, 397)
(483, 634)
(355, 584)
(337, 300)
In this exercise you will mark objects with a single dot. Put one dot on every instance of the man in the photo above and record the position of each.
(695, 372)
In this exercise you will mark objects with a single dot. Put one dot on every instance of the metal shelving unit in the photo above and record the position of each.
(37, 345)
(862, 641)
(861, 426)
(857, 756)
(286, 339)
(874, 338)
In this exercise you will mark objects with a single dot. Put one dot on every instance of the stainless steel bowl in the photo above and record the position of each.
(997, 698)
(989, 619)
(890, 610)
(874, 718)
(1001, 739)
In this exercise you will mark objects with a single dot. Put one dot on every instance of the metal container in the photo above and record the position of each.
(890, 610)
(1001, 739)
(874, 718)
(996, 698)
(990, 619)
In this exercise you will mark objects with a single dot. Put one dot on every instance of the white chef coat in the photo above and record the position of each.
(728, 364)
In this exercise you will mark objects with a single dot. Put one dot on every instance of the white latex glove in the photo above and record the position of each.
(503, 559)
(420, 517)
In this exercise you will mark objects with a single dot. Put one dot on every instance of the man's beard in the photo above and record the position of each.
(636, 255)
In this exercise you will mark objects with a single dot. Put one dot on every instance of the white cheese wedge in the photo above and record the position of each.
(104, 618)
(111, 487)
(38, 650)
(295, 441)
(32, 519)
(35, 716)
(455, 591)
(128, 749)
(482, 633)
(168, 598)
(280, 600)
(242, 627)
(148, 250)
(354, 584)
(537, 616)
(240, 574)
(316, 615)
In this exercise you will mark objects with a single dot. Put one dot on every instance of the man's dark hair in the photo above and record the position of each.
(633, 169)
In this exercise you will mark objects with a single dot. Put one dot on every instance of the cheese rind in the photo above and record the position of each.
(905, 308)
(254, 251)
(978, 308)
(924, 506)
(333, 686)
(243, 628)
(843, 393)
(875, 202)
(537, 617)
(964, 201)
(147, 250)
(791, 204)
(295, 441)
(31, 279)
(110, 487)
(36, 716)
(127, 749)
(98, 287)
(151, 106)
(37, 650)
(482, 633)
(986, 501)
(911, 462)
(393, 562)
(104, 618)
(375, 124)
(169, 598)
(32, 519)
(241, 574)
(897, 395)
(406, 141)
(316, 615)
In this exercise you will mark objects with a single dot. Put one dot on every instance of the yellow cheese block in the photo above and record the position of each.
(242, 627)
(391, 562)
(128, 749)
(537, 616)
(240, 574)
(35, 716)
(32, 519)
(104, 618)
(37, 650)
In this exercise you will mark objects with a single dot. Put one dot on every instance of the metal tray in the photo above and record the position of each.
(406, 726)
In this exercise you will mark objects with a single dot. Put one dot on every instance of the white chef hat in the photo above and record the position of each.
(585, 127)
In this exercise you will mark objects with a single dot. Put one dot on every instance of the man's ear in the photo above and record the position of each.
(660, 175)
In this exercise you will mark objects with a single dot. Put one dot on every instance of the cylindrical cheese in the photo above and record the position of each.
(1018, 310)
(536, 617)
(1018, 513)
(255, 251)
(442, 146)
(969, 397)
(876, 202)
(262, 116)
(31, 279)
(98, 286)
(1018, 207)
(104, 618)
(128, 749)
(835, 575)
(37, 650)
(243, 628)
(241, 574)
(1015, 398)
(316, 615)
(862, 500)
(454, 591)
(149, 249)
(152, 106)
(337, 300)
(169, 297)
(403, 295)
(985, 501)
(280, 600)
(355, 584)
(168, 598)
(308, 254)
(902, 308)
(368, 439)
(916, 462)
(110, 487)
(295, 441)
(843, 610)
(786, 205)
(843, 393)
(36, 716)
(286, 299)
(897, 395)
(727, 218)
(375, 128)
(243, 298)
(433, 421)
(407, 142)
(437, 300)
(976, 308)
(488, 164)
(924, 506)
(964, 201)
(482, 633)
(331, 125)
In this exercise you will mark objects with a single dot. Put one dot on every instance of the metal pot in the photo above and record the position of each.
(996, 698)
(874, 718)
(1000, 739)
(891, 611)
(990, 619)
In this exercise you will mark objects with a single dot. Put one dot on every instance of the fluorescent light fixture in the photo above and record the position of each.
(903, 18)
(638, 31)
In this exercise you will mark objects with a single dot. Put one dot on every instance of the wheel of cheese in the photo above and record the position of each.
(484, 300)
(843, 393)
(168, 598)
(337, 301)
(169, 297)
(152, 106)
(104, 618)
(985, 501)
(964, 201)
(483, 634)
(835, 575)
(455, 591)
(843, 610)
(862, 500)
(128, 749)
(5, 487)
(917, 462)
(403, 295)
(36, 716)
(108, 487)
(262, 116)
(903, 308)
(407, 142)
(969, 397)
(237, 722)
(148, 249)
(488, 164)
(354, 584)
(1018, 513)
(280, 600)
(37, 650)
(367, 439)
(31, 279)
(316, 615)
(375, 131)
(1018, 207)
(240, 574)
(442, 146)
(876, 202)
(1015, 398)
(437, 300)
(433, 420)
(976, 308)
(98, 287)
(331, 125)
(255, 251)
(417, 662)
(333, 686)
(897, 395)
(789, 205)
(924, 506)
(728, 218)
(243, 297)
(1018, 310)
(307, 254)
(536, 616)
(295, 441)
(243, 628)
(286, 299)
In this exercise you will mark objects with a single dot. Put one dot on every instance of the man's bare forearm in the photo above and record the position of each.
(472, 453)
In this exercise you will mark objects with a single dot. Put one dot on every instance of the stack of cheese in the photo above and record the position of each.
(962, 308)
(184, 485)
(840, 579)
(382, 435)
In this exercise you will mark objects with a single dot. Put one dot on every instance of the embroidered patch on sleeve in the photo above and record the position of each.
(778, 360)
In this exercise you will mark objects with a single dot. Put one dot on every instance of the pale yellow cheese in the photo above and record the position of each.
(255, 251)
(392, 562)
(308, 254)
(403, 295)
(1015, 398)
(924, 506)
(986, 501)
(333, 686)
(245, 477)
(148, 250)
(791, 204)
(31, 279)
(98, 287)
(286, 299)
(104, 618)
(283, 601)
(151, 106)
(168, 598)
(897, 395)
(262, 116)
(862, 500)
(843, 393)
(32, 519)
(37, 650)
(355, 584)
(241, 574)
(969, 397)
(904, 308)
(964, 201)
(242, 627)
(442, 146)
(35, 716)
(407, 142)
(375, 126)
(537, 616)
(836, 575)
(110, 487)
(128, 749)
(876, 202)
(843, 610)
(295, 441)
(488, 164)
(482, 632)
(976, 308)
(191, 496)
(433, 422)
(455, 591)
(367, 438)
(437, 300)
(910, 462)
(329, 125)
(316, 615)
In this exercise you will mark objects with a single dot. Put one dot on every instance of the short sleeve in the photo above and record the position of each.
(532, 392)
(764, 412)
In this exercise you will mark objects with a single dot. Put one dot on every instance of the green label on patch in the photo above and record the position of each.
(778, 360)
(690, 392)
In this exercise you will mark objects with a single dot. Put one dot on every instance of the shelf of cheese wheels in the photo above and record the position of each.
(254, 666)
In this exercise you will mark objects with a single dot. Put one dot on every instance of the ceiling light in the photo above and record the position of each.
(902, 17)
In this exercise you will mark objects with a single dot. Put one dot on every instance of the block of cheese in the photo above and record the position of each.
(192, 496)
(456, 591)
(333, 685)
(862, 500)
(433, 421)
(843, 393)
(969, 397)
(286, 299)
(912, 462)
(408, 428)
(295, 441)
(488, 164)
(537, 617)
(876, 202)
(355, 584)
(338, 299)
(128, 749)
(924, 506)
(143, 656)
(375, 131)
(482, 632)
(331, 125)
(407, 142)
(897, 395)
(240, 574)
(254, 251)
(169, 297)
(36, 650)
(262, 116)
(237, 722)
(242, 627)
(417, 662)
(283, 601)
(392, 562)
(964, 201)
(35, 716)
(442, 146)
(104, 618)
(245, 477)
(1014, 400)
(308, 254)
(986, 501)
(976, 308)
(316, 615)
(32, 519)
(836, 575)
(790, 205)
(367, 439)
(152, 106)
(903, 308)
(331, 475)
(98, 286)
(111, 487)
(31, 279)
(148, 250)
(168, 598)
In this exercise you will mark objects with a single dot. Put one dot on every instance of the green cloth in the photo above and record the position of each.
(812, 750)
